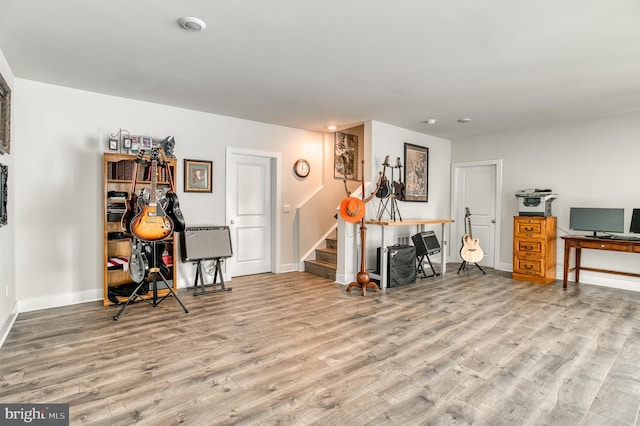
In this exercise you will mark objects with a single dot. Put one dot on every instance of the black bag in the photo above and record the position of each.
(126, 290)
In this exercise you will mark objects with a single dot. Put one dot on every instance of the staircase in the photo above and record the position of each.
(326, 261)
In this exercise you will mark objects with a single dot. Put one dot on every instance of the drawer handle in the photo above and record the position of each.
(528, 229)
(527, 267)
(528, 247)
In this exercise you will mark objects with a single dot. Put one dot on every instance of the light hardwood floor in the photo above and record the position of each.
(296, 349)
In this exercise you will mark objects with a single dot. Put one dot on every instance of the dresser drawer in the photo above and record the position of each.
(529, 248)
(599, 245)
(525, 266)
(529, 228)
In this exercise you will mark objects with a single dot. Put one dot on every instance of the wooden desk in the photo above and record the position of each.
(579, 242)
(407, 222)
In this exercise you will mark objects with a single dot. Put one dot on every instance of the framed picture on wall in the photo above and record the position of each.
(416, 173)
(197, 175)
(5, 116)
(4, 174)
(345, 156)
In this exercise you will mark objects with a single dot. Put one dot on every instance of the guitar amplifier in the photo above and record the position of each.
(205, 243)
(401, 265)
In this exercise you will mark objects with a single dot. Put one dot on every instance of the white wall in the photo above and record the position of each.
(60, 136)
(589, 164)
(8, 305)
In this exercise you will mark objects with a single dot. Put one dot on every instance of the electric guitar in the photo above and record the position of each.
(130, 205)
(138, 261)
(151, 223)
(398, 187)
(383, 189)
(173, 205)
(470, 251)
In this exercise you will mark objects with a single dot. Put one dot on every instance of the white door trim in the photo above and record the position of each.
(276, 196)
(455, 208)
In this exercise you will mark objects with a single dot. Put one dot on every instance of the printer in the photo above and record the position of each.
(535, 202)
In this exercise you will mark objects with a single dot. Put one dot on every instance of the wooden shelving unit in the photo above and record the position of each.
(116, 176)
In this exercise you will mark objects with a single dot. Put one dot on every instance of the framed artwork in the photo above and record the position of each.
(5, 117)
(4, 174)
(113, 144)
(197, 175)
(416, 173)
(146, 142)
(345, 157)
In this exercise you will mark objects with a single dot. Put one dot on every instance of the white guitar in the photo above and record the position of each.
(470, 251)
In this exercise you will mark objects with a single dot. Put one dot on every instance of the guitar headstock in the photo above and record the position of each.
(140, 155)
(163, 156)
(155, 154)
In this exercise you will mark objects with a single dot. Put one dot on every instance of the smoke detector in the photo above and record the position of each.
(192, 24)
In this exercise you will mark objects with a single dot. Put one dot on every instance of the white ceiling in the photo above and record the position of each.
(506, 64)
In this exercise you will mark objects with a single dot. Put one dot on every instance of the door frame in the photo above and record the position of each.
(456, 209)
(275, 200)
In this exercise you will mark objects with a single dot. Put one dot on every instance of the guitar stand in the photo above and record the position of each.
(155, 300)
(200, 276)
(393, 209)
(421, 267)
(465, 264)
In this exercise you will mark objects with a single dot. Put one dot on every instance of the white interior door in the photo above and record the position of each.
(249, 197)
(476, 187)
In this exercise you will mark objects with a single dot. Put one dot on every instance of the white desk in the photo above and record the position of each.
(407, 222)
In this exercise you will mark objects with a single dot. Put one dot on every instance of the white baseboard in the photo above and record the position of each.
(64, 299)
(8, 324)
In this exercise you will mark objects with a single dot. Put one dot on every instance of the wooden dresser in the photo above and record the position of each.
(534, 249)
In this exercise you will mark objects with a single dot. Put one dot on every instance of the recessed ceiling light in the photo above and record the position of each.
(464, 120)
(192, 24)
(430, 121)
(332, 127)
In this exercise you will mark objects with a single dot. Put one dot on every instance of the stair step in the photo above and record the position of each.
(321, 268)
(332, 243)
(329, 255)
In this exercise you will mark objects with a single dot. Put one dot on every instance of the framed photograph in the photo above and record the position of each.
(126, 143)
(197, 175)
(4, 174)
(146, 142)
(345, 158)
(416, 173)
(113, 144)
(5, 116)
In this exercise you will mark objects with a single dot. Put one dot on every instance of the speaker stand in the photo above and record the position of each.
(200, 277)
(421, 267)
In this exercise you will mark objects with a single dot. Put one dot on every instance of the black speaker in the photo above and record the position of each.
(426, 243)
(205, 242)
(401, 262)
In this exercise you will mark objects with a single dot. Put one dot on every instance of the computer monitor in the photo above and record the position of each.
(635, 222)
(595, 219)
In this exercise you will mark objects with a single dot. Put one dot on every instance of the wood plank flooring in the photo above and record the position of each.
(296, 349)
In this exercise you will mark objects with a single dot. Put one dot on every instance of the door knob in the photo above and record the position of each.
(233, 221)
(493, 221)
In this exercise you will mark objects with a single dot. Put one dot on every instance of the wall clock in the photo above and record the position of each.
(301, 168)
